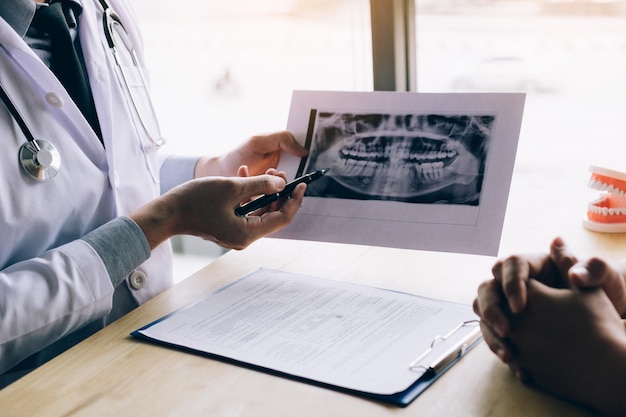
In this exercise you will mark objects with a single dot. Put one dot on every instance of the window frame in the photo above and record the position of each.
(394, 45)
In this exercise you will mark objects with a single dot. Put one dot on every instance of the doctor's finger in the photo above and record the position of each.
(259, 184)
(271, 221)
(274, 171)
(243, 171)
(289, 144)
(277, 173)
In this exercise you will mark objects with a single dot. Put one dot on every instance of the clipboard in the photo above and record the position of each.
(434, 369)
(421, 370)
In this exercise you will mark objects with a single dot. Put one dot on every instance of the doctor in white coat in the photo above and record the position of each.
(86, 246)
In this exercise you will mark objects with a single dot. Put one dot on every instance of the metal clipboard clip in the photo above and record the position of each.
(458, 350)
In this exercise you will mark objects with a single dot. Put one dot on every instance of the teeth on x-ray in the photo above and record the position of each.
(403, 157)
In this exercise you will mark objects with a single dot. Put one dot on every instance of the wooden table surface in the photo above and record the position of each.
(113, 374)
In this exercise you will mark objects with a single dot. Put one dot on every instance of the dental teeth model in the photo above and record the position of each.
(607, 213)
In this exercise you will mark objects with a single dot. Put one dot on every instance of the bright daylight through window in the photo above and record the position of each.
(222, 71)
(568, 55)
(225, 70)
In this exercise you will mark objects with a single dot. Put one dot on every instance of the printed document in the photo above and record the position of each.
(332, 332)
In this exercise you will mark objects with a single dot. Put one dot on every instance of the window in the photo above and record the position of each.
(222, 71)
(570, 58)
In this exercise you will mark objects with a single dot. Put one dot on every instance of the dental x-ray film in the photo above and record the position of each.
(423, 171)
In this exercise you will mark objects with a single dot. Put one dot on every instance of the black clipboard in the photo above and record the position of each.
(429, 365)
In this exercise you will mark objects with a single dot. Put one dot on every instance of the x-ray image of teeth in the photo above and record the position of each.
(428, 158)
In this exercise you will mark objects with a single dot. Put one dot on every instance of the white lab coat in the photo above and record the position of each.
(51, 281)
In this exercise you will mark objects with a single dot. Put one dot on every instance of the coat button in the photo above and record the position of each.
(54, 100)
(137, 280)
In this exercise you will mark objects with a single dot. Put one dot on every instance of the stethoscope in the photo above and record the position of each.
(39, 158)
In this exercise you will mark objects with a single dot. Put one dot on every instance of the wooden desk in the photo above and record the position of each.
(114, 375)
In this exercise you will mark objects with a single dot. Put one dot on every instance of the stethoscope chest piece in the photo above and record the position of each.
(40, 159)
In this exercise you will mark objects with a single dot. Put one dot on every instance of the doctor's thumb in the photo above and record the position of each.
(262, 184)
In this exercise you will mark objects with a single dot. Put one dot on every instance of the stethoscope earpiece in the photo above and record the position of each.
(40, 159)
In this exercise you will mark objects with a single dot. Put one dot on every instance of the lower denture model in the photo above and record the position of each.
(607, 213)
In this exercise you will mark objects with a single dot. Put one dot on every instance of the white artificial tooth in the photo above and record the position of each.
(611, 211)
(610, 189)
(605, 211)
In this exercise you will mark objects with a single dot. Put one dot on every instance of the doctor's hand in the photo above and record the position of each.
(504, 296)
(259, 153)
(205, 207)
(572, 343)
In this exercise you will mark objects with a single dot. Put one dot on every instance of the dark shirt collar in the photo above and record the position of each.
(18, 14)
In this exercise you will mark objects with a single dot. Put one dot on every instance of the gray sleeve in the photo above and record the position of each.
(176, 170)
(122, 246)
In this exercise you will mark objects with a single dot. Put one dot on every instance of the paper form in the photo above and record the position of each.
(343, 334)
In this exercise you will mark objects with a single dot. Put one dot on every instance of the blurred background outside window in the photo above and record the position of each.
(222, 71)
(570, 58)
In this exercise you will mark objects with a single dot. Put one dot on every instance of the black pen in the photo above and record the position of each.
(267, 199)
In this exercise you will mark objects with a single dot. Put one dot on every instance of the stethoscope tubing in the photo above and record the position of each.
(17, 116)
(109, 19)
(34, 151)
